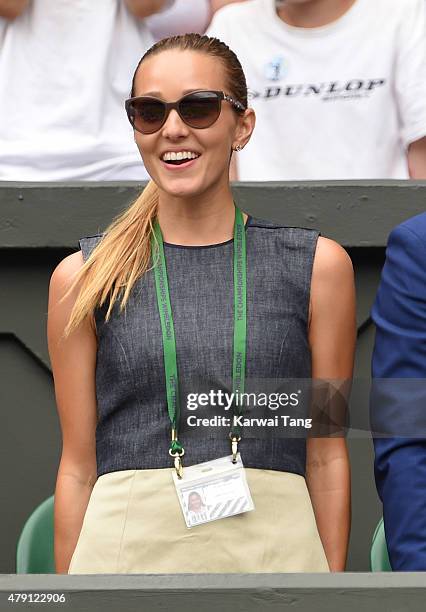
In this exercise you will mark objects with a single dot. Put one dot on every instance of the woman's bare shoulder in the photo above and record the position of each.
(331, 259)
(332, 276)
(65, 272)
(68, 267)
(63, 293)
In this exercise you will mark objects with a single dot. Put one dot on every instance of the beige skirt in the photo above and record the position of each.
(134, 524)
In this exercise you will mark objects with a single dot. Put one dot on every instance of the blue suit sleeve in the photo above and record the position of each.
(399, 353)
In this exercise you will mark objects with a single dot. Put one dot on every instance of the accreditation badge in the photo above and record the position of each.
(213, 490)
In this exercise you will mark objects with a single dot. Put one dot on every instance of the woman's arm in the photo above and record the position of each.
(73, 363)
(332, 336)
(10, 9)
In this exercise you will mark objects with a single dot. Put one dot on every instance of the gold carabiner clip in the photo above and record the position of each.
(177, 456)
(178, 466)
(178, 462)
(234, 447)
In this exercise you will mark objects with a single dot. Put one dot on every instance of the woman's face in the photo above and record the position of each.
(194, 502)
(170, 75)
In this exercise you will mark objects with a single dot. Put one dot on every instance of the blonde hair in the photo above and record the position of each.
(117, 261)
(124, 252)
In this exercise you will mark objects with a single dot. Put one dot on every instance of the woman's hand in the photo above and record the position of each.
(332, 337)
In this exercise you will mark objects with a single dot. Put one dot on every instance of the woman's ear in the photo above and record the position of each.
(244, 128)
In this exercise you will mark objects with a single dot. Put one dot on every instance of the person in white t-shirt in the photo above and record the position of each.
(339, 87)
(185, 16)
(65, 69)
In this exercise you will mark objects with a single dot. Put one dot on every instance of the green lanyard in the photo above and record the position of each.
(176, 449)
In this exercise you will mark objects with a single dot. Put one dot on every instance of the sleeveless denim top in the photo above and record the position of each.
(133, 429)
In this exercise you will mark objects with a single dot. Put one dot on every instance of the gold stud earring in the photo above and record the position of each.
(238, 148)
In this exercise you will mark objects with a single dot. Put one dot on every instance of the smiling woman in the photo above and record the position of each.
(183, 287)
(204, 116)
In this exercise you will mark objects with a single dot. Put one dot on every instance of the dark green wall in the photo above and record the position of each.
(399, 592)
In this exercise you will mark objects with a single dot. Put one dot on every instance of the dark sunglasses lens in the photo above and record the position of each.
(200, 110)
(147, 115)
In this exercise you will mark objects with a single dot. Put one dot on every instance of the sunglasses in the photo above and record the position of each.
(198, 109)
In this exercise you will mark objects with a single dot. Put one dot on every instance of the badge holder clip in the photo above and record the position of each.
(177, 451)
(234, 446)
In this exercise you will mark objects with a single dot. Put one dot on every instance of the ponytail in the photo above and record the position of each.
(120, 258)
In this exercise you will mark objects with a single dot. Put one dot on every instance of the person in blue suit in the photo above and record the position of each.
(398, 399)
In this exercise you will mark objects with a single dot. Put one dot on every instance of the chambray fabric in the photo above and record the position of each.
(133, 430)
